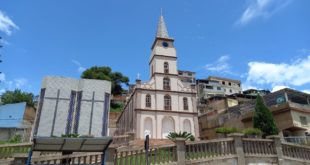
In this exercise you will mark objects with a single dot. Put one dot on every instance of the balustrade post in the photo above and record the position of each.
(20, 159)
(238, 147)
(110, 156)
(278, 147)
(181, 149)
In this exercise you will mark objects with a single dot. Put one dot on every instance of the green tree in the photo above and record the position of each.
(17, 96)
(263, 118)
(105, 73)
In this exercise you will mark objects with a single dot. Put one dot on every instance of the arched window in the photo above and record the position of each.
(185, 103)
(167, 126)
(166, 67)
(187, 126)
(148, 101)
(167, 102)
(166, 83)
(148, 127)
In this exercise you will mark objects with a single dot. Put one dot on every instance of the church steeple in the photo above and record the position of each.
(162, 31)
(162, 34)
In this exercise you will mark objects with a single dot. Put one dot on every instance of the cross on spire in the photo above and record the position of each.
(138, 76)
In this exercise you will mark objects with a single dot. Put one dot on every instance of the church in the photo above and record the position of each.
(163, 104)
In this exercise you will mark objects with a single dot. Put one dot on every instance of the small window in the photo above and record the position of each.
(223, 82)
(209, 87)
(148, 101)
(230, 90)
(185, 103)
(167, 102)
(166, 67)
(303, 120)
(166, 83)
(229, 84)
(238, 85)
(189, 74)
(218, 88)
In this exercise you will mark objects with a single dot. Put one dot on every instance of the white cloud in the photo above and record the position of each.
(2, 91)
(6, 24)
(220, 65)
(17, 83)
(2, 77)
(247, 86)
(20, 82)
(261, 8)
(278, 87)
(306, 91)
(80, 67)
(295, 73)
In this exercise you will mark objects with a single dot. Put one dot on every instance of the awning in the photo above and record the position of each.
(71, 144)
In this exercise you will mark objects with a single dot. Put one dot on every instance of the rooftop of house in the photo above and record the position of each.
(223, 78)
(12, 115)
(186, 71)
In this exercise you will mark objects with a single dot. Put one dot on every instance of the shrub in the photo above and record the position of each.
(252, 131)
(71, 135)
(185, 135)
(226, 130)
(15, 139)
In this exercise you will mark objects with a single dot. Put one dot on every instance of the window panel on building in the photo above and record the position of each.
(166, 83)
(166, 67)
(185, 103)
(148, 101)
(167, 102)
(303, 120)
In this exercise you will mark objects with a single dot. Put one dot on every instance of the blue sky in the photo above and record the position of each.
(264, 43)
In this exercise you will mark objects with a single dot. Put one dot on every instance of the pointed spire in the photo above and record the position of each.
(162, 31)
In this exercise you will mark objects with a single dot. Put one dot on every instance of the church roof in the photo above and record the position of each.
(162, 31)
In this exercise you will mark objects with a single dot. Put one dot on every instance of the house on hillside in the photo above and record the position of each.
(16, 119)
(216, 106)
(290, 109)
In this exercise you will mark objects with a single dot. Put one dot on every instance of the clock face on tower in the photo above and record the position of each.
(165, 44)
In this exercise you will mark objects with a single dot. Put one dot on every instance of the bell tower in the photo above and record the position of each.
(163, 56)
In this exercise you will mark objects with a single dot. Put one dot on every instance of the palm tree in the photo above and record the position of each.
(185, 135)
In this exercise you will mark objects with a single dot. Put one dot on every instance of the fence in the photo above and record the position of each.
(160, 155)
(241, 150)
(80, 158)
(210, 148)
(8, 150)
(296, 151)
(298, 139)
(258, 147)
